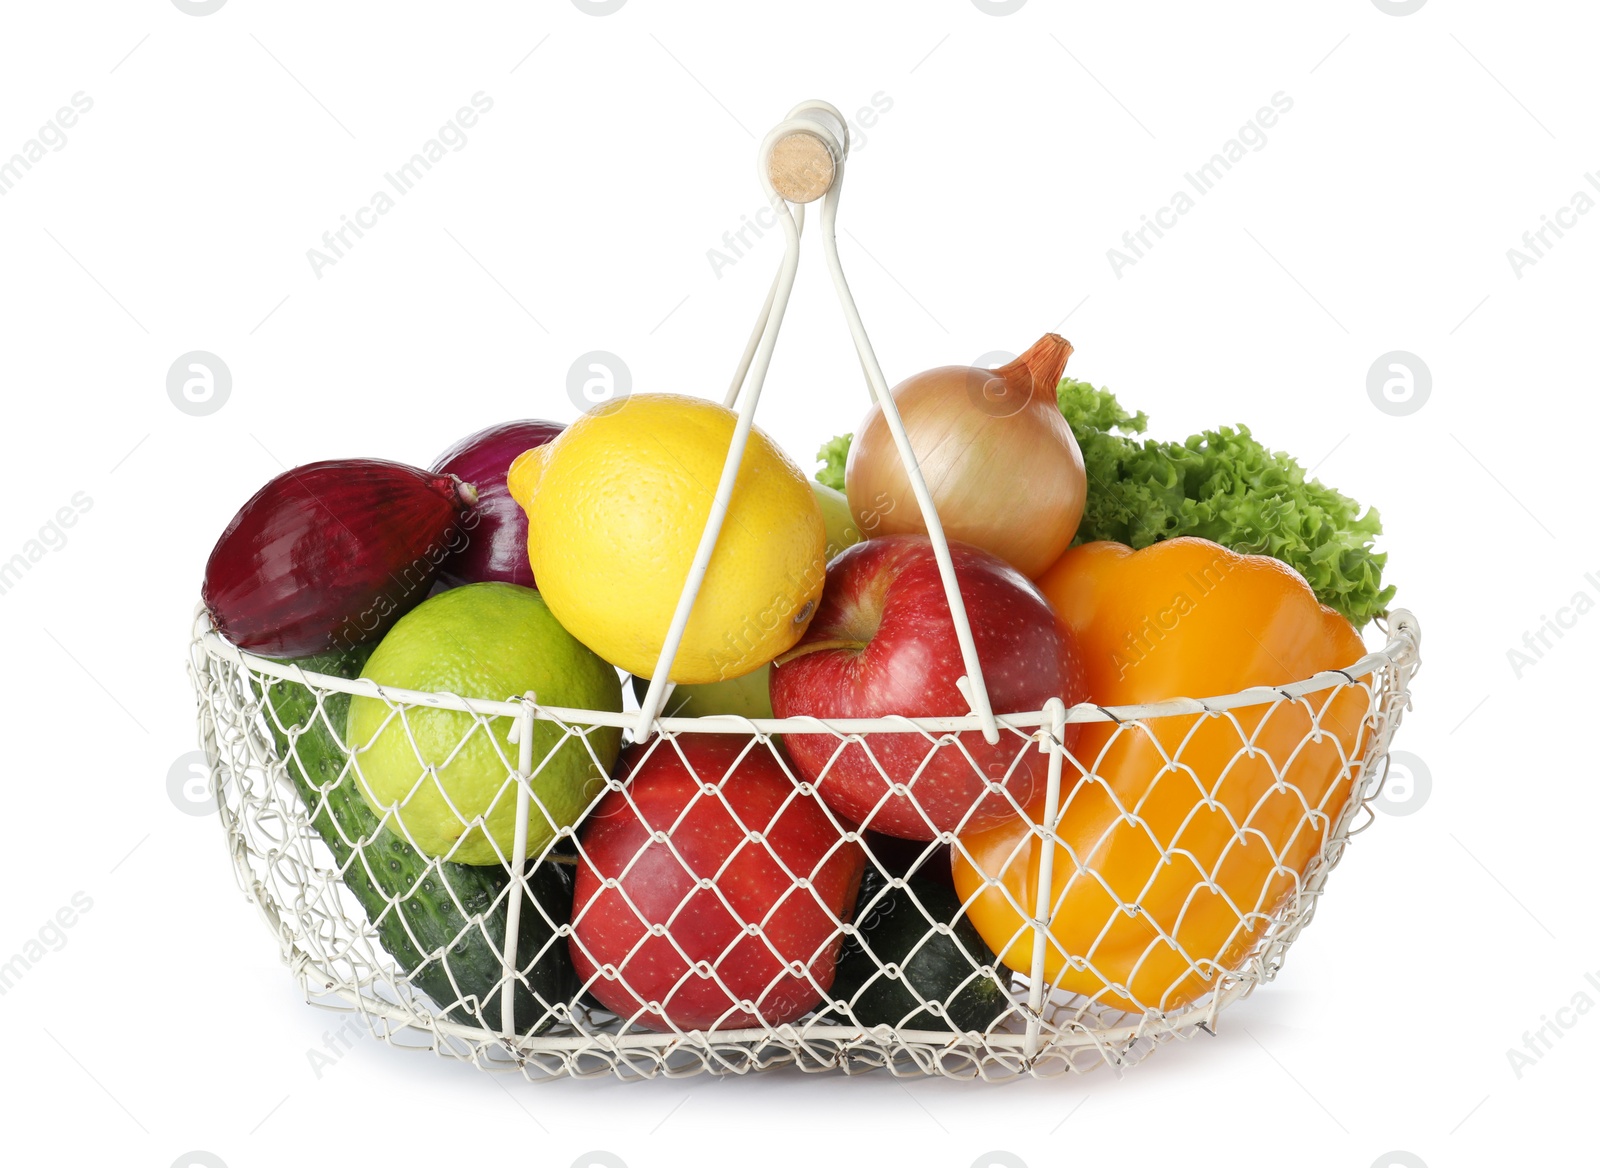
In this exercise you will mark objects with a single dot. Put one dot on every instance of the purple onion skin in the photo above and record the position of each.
(497, 542)
(331, 554)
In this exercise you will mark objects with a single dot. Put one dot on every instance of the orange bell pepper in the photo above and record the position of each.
(1178, 837)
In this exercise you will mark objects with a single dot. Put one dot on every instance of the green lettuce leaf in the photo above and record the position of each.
(833, 455)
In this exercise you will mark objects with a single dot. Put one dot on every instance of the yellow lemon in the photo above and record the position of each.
(616, 505)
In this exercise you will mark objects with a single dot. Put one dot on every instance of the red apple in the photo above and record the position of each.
(732, 918)
(882, 643)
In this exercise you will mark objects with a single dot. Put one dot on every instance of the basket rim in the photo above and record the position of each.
(1401, 648)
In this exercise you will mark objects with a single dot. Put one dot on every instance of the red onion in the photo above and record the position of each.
(497, 547)
(331, 554)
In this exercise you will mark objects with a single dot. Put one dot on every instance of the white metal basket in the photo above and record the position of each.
(479, 976)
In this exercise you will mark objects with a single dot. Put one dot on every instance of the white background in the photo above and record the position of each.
(978, 215)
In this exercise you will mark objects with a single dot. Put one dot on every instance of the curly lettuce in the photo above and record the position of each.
(832, 455)
(1222, 485)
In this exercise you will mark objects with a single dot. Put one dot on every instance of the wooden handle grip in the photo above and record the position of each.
(801, 167)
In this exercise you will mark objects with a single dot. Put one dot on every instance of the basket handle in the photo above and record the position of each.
(768, 325)
(800, 160)
(972, 684)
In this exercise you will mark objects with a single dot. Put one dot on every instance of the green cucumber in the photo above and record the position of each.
(427, 912)
(928, 966)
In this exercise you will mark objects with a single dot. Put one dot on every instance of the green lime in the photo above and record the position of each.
(446, 778)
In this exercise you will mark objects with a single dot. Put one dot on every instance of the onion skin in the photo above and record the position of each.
(497, 546)
(331, 554)
(1000, 461)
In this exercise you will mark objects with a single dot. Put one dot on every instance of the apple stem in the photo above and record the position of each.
(817, 647)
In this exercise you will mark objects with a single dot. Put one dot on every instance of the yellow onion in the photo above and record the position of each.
(1000, 461)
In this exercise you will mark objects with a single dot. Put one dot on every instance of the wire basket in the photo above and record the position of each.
(553, 960)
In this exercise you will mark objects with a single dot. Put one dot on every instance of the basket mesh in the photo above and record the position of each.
(1167, 902)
